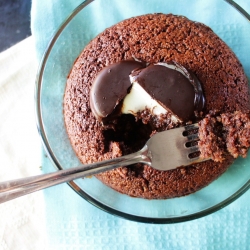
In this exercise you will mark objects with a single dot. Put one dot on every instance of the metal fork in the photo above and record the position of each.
(164, 151)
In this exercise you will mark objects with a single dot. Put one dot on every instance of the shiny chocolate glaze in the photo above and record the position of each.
(170, 84)
(111, 86)
(174, 87)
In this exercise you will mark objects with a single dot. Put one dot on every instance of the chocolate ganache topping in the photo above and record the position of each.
(171, 85)
(111, 86)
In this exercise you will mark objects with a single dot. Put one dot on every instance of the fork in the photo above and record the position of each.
(163, 151)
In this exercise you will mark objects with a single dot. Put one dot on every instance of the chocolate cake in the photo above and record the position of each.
(223, 134)
(151, 39)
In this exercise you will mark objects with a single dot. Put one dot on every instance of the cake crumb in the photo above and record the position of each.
(115, 149)
(223, 134)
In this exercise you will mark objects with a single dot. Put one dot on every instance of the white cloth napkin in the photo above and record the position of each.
(22, 223)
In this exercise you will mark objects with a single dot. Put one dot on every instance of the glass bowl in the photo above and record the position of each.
(87, 21)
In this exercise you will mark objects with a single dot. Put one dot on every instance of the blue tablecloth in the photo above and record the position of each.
(73, 223)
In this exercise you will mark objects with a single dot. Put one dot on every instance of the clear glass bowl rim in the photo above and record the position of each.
(72, 184)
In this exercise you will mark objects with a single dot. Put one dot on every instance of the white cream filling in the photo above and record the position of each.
(138, 100)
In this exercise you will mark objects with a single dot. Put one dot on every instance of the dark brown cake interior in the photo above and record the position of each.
(152, 38)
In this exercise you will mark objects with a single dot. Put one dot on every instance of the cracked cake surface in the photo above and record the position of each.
(151, 38)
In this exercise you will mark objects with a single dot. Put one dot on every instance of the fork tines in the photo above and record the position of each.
(191, 134)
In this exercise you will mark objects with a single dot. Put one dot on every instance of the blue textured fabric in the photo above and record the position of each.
(73, 223)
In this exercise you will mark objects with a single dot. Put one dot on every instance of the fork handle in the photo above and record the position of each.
(15, 188)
